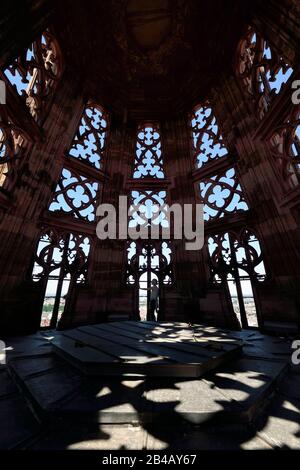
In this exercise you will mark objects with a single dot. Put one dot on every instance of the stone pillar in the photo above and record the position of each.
(182, 301)
(113, 296)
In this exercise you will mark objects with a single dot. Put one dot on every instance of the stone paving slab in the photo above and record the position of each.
(234, 393)
(17, 422)
(111, 349)
(107, 412)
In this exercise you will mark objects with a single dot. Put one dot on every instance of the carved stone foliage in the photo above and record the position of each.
(285, 148)
(13, 146)
(222, 195)
(207, 140)
(89, 142)
(58, 251)
(35, 73)
(262, 71)
(148, 156)
(75, 194)
(231, 254)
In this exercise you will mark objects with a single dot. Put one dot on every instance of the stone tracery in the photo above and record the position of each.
(13, 147)
(208, 142)
(262, 71)
(89, 142)
(35, 73)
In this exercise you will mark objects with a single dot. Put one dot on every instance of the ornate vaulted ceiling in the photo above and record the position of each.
(149, 57)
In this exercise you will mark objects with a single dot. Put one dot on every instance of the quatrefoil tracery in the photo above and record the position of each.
(221, 195)
(148, 207)
(76, 194)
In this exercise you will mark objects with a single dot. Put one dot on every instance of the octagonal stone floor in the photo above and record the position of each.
(251, 401)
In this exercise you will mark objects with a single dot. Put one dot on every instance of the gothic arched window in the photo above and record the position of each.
(207, 140)
(35, 73)
(262, 71)
(220, 190)
(75, 194)
(148, 161)
(149, 258)
(61, 259)
(221, 195)
(60, 262)
(89, 142)
(77, 191)
(236, 262)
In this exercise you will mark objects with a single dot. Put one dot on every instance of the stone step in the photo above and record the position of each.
(129, 351)
(18, 424)
(234, 393)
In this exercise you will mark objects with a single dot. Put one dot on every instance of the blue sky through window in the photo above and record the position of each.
(148, 161)
(89, 141)
(222, 195)
(76, 195)
(208, 142)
